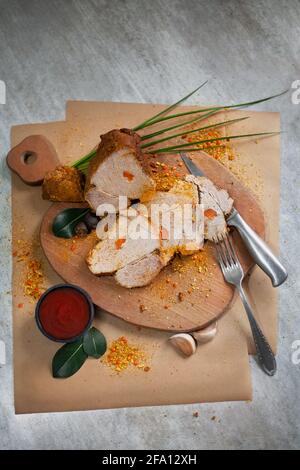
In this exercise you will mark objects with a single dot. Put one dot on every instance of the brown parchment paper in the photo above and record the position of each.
(219, 371)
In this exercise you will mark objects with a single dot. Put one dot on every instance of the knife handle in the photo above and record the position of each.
(258, 249)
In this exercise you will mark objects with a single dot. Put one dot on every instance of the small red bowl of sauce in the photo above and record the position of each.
(64, 313)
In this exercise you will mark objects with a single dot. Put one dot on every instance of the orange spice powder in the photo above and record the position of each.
(33, 274)
(121, 354)
(219, 149)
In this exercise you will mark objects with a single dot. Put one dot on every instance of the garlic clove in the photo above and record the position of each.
(207, 334)
(184, 342)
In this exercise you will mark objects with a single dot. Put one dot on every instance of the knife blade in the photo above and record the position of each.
(257, 247)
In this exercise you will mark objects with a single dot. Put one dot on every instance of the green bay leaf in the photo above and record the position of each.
(64, 224)
(68, 359)
(94, 343)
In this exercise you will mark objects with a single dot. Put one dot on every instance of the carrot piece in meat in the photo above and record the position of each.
(119, 243)
(210, 213)
(128, 175)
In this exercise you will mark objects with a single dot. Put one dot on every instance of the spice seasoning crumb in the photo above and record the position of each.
(121, 354)
(216, 149)
(33, 277)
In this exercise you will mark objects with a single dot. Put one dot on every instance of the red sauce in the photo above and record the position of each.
(64, 313)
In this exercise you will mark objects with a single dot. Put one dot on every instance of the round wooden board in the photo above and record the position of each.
(206, 295)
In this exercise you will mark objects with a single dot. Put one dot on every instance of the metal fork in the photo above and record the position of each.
(234, 274)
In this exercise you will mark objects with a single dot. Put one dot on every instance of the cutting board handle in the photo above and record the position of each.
(32, 159)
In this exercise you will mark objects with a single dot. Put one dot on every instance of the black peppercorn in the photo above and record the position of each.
(81, 229)
(91, 220)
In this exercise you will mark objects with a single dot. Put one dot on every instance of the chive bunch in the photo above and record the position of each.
(199, 115)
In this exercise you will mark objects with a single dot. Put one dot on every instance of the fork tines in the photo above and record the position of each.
(225, 251)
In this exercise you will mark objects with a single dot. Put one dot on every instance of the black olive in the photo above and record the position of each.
(91, 220)
(81, 229)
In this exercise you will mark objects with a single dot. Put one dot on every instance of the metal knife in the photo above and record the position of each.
(259, 250)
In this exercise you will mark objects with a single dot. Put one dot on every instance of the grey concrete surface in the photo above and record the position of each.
(154, 51)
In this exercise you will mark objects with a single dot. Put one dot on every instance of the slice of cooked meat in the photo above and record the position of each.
(141, 272)
(95, 198)
(160, 226)
(146, 236)
(216, 204)
(105, 225)
(125, 242)
(118, 169)
(181, 221)
(63, 184)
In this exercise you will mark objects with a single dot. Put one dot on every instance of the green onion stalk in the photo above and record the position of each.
(194, 117)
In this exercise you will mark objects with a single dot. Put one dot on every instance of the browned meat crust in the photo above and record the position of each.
(111, 142)
(64, 184)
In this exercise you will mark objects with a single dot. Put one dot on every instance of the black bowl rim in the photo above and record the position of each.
(56, 287)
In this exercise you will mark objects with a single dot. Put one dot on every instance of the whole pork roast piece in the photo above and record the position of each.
(118, 169)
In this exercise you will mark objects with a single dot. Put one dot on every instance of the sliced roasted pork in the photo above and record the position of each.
(125, 241)
(118, 169)
(141, 272)
(144, 238)
(180, 219)
(216, 204)
(97, 198)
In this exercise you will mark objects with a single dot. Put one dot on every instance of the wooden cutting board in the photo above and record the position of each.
(205, 294)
